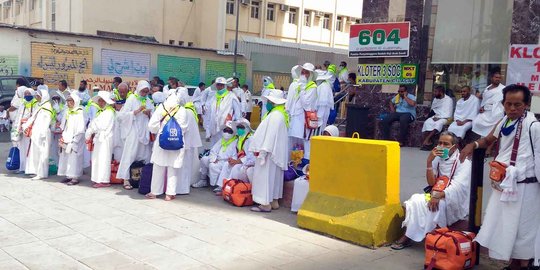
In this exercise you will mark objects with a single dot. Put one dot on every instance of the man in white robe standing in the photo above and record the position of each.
(25, 109)
(120, 99)
(39, 128)
(325, 99)
(100, 134)
(466, 110)
(240, 95)
(269, 143)
(491, 109)
(208, 96)
(133, 119)
(71, 141)
(225, 107)
(425, 211)
(510, 225)
(442, 108)
(197, 98)
(303, 100)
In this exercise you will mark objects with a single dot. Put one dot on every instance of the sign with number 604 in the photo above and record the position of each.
(373, 40)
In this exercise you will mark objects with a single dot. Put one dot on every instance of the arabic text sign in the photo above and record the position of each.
(122, 63)
(9, 65)
(387, 74)
(54, 62)
(379, 40)
(524, 66)
(104, 82)
(188, 70)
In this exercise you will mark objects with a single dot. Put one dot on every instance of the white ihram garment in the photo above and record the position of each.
(244, 171)
(70, 162)
(419, 220)
(443, 109)
(102, 126)
(216, 164)
(302, 100)
(493, 111)
(465, 110)
(192, 142)
(270, 142)
(38, 156)
(509, 227)
(325, 103)
(22, 142)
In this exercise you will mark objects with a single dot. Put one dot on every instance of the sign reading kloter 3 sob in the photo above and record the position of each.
(524, 66)
(387, 74)
(379, 40)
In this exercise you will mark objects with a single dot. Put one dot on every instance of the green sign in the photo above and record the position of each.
(185, 69)
(9, 65)
(216, 69)
(387, 74)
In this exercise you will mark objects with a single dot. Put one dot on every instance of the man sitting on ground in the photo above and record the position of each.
(466, 110)
(446, 200)
(441, 108)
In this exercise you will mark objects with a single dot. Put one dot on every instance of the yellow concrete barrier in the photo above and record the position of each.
(354, 191)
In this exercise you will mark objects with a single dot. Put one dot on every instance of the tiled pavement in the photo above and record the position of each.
(47, 225)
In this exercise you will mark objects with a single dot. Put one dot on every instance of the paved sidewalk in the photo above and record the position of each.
(47, 225)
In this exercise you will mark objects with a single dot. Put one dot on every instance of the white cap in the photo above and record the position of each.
(276, 96)
(220, 80)
(106, 96)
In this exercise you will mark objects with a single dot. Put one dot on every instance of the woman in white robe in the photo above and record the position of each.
(303, 99)
(242, 168)
(226, 107)
(269, 143)
(40, 124)
(133, 118)
(491, 110)
(100, 133)
(466, 110)
(215, 166)
(27, 106)
(166, 162)
(325, 99)
(71, 142)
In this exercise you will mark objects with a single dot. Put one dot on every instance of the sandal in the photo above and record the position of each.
(101, 185)
(169, 197)
(65, 181)
(73, 182)
(150, 196)
(260, 210)
(400, 246)
(128, 187)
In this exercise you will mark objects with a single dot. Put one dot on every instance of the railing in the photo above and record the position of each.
(343, 120)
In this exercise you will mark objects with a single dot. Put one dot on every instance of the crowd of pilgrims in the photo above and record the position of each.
(76, 131)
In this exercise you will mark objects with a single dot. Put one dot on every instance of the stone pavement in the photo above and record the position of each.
(47, 225)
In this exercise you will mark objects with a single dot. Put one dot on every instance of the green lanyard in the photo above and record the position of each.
(190, 106)
(225, 144)
(281, 109)
(241, 141)
(220, 97)
(108, 107)
(310, 85)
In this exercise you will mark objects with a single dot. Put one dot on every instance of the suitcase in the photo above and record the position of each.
(13, 161)
(450, 250)
(135, 171)
(114, 170)
(237, 192)
(146, 179)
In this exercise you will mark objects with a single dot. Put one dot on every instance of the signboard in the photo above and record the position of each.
(524, 66)
(216, 69)
(9, 65)
(54, 62)
(104, 82)
(188, 70)
(372, 40)
(121, 63)
(387, 74)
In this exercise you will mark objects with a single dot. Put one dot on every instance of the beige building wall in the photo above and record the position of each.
(200, 23)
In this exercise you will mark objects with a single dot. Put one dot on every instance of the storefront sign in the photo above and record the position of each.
(524, 66)
(372, 40)
(387, 74)
(121, 63)
(104, 82)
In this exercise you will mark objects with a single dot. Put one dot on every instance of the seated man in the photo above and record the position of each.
(466, 110)
(441, 109)
(242, 168)
(403, 109)
(491, 109)
(215, 166)
(425, 211)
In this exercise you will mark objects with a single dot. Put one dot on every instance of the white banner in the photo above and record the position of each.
(524, 66)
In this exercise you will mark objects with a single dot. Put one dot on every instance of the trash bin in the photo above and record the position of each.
(357, 120)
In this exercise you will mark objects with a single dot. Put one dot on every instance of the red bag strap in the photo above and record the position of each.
(517, 138)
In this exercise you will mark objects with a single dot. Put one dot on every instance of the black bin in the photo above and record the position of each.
(357, 120)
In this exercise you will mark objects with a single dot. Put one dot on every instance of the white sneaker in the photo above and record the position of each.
(200, 184)
(37, 178)
(217, 189)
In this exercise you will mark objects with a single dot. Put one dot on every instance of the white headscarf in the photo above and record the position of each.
(332, 130)
(141, 85)
(171, 102)
(76, 100)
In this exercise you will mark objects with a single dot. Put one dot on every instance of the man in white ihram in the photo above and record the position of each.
(491, 109)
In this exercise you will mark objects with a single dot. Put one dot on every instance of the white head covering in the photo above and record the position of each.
(323, 75)
(229, 82)
(183, 95)
(276, 97)
(159, 97)
(297, 71)
(20, 91)
(141, 85)
(244, 122)
(43, 92)
(59, 94)
(232, 126)
(221, 80)
(28, 89)
(106, 96)
(76, 99)
(333, 130)
(294, 75)
(171, 101)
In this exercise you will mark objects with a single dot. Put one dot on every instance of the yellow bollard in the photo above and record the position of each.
(354, 191)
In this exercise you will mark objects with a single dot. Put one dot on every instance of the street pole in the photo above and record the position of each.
(236, 36)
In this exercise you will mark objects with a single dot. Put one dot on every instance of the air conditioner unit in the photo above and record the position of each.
(283, 7)
(244, 2)
(319, 13)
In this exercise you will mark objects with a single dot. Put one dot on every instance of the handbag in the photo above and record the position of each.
(450, 250)
(497, 169)
(312, 121)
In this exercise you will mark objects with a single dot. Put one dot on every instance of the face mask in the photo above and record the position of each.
(269, 106)
(227, 136)
(220, 92)
(241, 131)
(303, 79)
(56, 107)
(28, 98)
(266, 83)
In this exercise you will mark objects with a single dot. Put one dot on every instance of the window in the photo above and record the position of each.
(339, 24)
(171, 41)
(53, 15)
(270, 12)
(326, 21)
(255, 9)
(33, 4)
(292, 16)
(307, 18)
(230, 7)
(358, 21)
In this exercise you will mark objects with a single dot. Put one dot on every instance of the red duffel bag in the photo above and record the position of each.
(237, 192)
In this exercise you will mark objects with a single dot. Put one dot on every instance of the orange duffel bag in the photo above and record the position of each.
(450, 250)
(237, 192)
